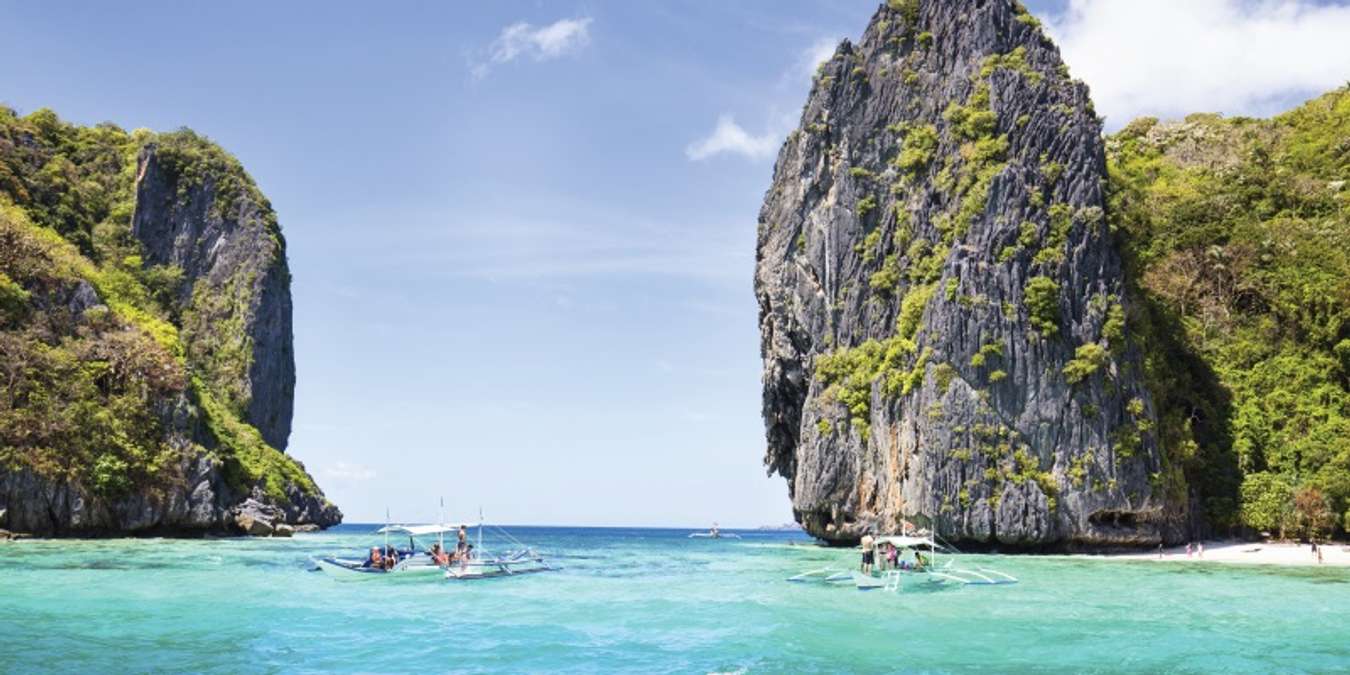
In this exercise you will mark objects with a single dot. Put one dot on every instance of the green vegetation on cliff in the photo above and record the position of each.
(1236, 234)
(98, 380)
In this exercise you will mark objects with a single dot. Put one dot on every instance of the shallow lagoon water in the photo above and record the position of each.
(646, 600)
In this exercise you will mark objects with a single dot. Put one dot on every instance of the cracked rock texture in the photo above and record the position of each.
(947, 166)
(145, 339)
(235, 273)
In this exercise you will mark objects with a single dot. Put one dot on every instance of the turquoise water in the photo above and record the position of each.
(645, 601)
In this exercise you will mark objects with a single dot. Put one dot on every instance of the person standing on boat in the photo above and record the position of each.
(463, 540)
(868, 552)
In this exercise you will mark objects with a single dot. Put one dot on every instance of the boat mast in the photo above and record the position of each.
(440, 536)
(480, 530)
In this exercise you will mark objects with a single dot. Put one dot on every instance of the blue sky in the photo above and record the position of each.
(522, 233)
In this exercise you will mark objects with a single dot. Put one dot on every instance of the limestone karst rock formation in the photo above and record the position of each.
(145, 338)
(941, 305)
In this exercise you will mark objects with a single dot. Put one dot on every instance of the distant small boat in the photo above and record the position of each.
(714, 533)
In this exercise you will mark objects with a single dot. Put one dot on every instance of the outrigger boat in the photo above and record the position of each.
(473, 563)
(714, 533)
(416, 558)
(918, 565)
(482, 565)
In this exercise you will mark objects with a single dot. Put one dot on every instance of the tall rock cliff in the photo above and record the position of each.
(941, 306)
(145, 338)
(197, 211)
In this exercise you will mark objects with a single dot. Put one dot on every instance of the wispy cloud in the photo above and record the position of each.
(348, 471)
(730, 137)
(812, 57)
(1169, 58)
(542, 43)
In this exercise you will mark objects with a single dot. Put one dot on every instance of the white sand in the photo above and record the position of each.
(1335, 554)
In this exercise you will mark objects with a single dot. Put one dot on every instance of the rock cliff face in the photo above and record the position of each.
(941, 306)
(145, 339)
(225, 238)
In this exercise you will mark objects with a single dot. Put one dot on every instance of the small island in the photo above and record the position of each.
(145, 339)
(981, 314)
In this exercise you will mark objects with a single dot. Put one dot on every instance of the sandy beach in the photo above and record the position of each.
(1335, 554)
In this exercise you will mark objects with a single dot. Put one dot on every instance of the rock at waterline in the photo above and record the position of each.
(937, 287)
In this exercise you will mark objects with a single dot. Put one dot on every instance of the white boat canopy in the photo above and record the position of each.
(417, 530)
(906, 541)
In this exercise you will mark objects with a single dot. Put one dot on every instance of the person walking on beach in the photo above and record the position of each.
(1188, 549)
(868, 546)
(1201, 551)
(1160, 550)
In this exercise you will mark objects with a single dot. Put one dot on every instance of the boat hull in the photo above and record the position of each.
(487, 569)
(351, 567)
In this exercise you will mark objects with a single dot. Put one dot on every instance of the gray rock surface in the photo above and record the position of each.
(965, 419)
(198, 500)
(235, 274)
(195, 209)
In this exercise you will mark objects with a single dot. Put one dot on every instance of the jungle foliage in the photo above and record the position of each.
(95, 379)
(1236, 236)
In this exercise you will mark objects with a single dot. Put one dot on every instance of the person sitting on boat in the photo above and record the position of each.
(439, 556)
(375, 559)
(919, 562)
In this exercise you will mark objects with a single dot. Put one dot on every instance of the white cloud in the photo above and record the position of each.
(542, 43)
(811, 59)
(729, 137)
(348, 471)
(1169, 58)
